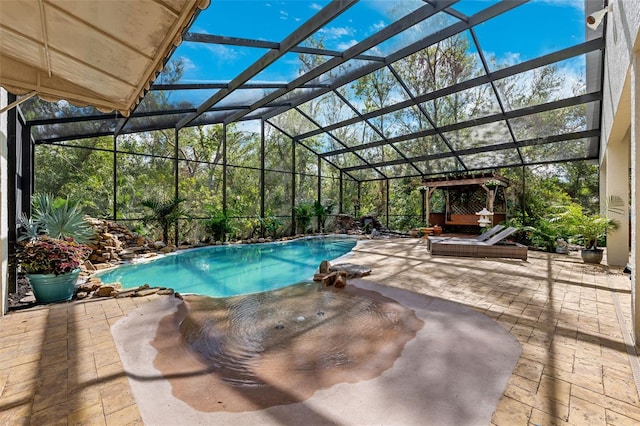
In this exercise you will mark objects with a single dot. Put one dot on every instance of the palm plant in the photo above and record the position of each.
(591, 227)
(545, 233)
(165, 212)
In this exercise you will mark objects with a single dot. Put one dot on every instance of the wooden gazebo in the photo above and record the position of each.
(466, 195)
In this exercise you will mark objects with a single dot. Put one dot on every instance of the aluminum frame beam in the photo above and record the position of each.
(325, 15)
(403, 23)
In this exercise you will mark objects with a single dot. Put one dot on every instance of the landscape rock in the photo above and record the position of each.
(345, 223)
(28, 299)
(351, 270)
(100, 266)
(319, 276)
(370, 222)
(340, 281)
(324, 267)
(329, 279)
(146, 292)
(105, 291)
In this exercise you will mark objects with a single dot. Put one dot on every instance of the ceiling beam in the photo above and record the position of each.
(488, 148)
(200, 86)
(325, 15)
(443, 34)
(244, 42)
(563, 103)
(395, 28)
(549, 59)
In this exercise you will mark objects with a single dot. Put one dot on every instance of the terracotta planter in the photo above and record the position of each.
(49, 288)
(591, 255)
(437, 230)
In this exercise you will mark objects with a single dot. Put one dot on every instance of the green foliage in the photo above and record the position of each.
(589, 228)
(321, 212)
(84, 174)
(30, 228)
(546, 233)
(558, 200)
(405, 222)
(58, 218)
(46, 255)
(164, 212)
(580, 181)
(271, 225)
(218, 225)
(303, 212)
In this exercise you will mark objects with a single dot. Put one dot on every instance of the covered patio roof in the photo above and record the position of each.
(103, 53)
(427, 54)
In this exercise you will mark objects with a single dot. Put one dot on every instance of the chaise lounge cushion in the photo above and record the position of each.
(493, 247)
(482, 237)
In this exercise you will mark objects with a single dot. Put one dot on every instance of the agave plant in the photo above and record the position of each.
(30, 227)
(56, 218)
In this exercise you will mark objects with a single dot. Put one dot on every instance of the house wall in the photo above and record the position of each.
(622, 39)
(4, 233)
(621, 124)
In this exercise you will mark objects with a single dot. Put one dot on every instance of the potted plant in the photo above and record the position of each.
(50, 249)
(52, 265)
(591, 227)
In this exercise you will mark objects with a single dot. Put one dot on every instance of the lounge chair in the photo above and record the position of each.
(493, 247)
(482, 237)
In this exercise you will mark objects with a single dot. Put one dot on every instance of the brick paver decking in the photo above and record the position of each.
(59, 363)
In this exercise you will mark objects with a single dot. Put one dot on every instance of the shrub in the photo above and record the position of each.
(46, 255)
(218, 225)
(303, 213)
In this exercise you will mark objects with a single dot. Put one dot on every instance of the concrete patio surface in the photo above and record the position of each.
(59, 363)
(453, 372)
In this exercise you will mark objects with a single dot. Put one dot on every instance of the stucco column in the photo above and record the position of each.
(617, 184)
(635, 187)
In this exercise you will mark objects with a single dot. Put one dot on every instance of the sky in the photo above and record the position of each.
(537, 28)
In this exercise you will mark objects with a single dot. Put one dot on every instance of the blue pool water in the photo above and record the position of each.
(223, 271)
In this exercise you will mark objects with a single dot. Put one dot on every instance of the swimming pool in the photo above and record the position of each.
(222, 271)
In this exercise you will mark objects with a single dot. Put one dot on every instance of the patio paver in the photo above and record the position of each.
(59, 364)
